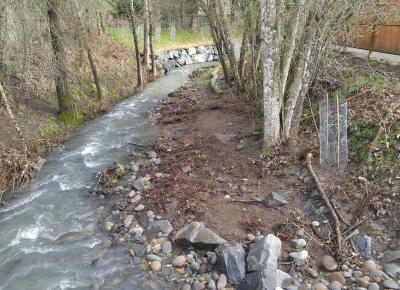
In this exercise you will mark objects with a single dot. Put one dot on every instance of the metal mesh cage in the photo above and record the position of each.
(333, 132)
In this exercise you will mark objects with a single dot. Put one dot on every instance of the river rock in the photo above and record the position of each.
(319, 286)
(363, 246)
(107, 226)
(369, 265)
(140, 207)
(211, 284)
(338, 277)
(152, 257)
(261, 251)
(151, 154)
(391, 284)
(166, 248)
(299, 257)
(329, 263)
(373, 286)
(37, 166)
(162, 226)
(138, 184)
(299, 243)
(155, 266)
(128, 221)
(391, 257)
(222, 281)
(391, 268)
(231, 260)
(197, 234)
(179, 261)
(361, 282)
(274, 199)
(187, 287)
(213, 257)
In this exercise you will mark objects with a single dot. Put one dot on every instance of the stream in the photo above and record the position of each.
(55, 202)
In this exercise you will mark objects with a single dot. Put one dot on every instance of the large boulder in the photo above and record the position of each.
(181, 60)
(199, 58)
(267, 249)
(192, 51)
(201, 49)
(199, 235)
(231, 260)
(364, 246)
(263, 257)
(166, 65)
(173, 54)
(258, 281)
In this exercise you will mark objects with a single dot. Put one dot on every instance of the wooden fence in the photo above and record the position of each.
(385, 38)
(382, 38)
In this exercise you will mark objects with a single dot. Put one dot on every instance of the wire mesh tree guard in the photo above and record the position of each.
(333, 132)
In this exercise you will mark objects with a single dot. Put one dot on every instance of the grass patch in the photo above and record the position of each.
(184, 37)
(352, 85)
(49, 128)
(361, 136)
(71, 119)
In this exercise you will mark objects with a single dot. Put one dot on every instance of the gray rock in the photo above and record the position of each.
(166, 248)
(138, 184)
(162, 226)
(299, 243)
(191, 51)
(211, 284)
(299, 257)
(274, 199)
(231, 260)
(200, 58)
(300, 232)
(363, 246)
(391, 284)
(201, 49)
(151, 154)
(186, 169)
(361, 282)
(165, 65)
(181, 60)
(173, 54)
(213, 257)
(373, 286)
(391, 257)
(378, 273)
(216, 57)
(266, 249)
(335, 285)
(251, 237)
(187, 287)
(391, 268)
(281, 277)
(197, 234)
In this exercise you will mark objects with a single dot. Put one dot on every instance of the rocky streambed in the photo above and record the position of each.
(195, 257)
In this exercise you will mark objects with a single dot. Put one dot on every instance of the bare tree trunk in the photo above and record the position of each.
(60, 70)
(271, 102)
(146, 41)
(300, 80)
(225, 35)
(92, 63)
(11, 115)
(243, 51)
(136, 46)
(153, 65)
(193, 18)
(3, 33)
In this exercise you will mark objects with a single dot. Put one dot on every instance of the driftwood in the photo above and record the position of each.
(327, 202)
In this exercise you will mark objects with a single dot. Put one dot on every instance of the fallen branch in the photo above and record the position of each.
(327, 202)
(140, 145)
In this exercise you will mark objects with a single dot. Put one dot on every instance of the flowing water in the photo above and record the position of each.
(55, 203)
